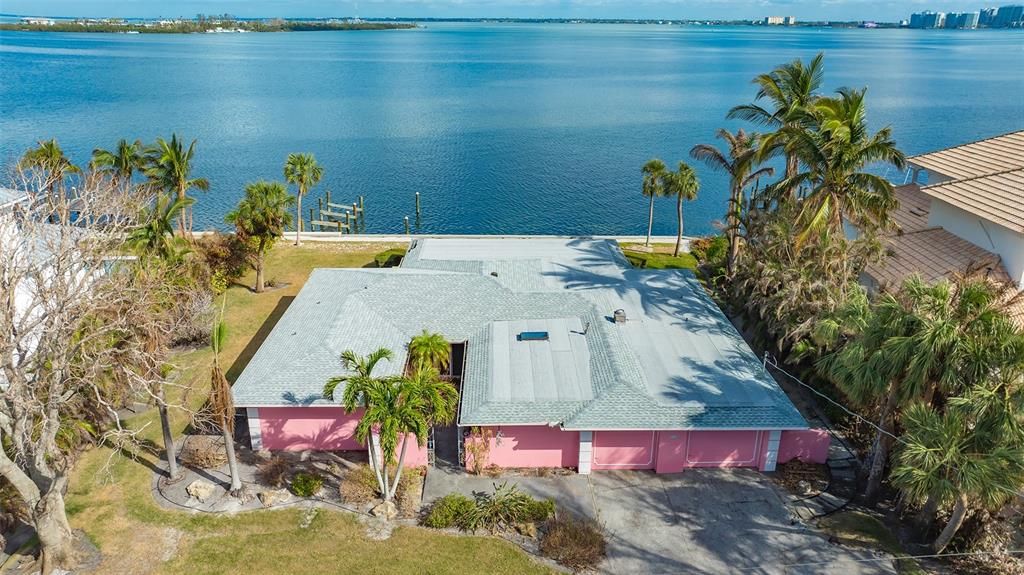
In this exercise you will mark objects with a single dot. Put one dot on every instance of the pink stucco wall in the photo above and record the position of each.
(679, 450)
(624, 449)
(320, 428)
(808, 445)
(532, 446)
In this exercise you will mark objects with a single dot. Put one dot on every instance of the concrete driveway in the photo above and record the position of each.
(702, 521)
(713, 521)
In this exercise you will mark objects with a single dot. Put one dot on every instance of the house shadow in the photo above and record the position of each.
(257, 340)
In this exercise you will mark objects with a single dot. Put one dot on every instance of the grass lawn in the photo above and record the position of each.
(661, 258)
(856, 528)
(110, 497)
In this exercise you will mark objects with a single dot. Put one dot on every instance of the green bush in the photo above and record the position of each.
(578, 544)
(389, 258)
(306, 484)
(540, 510)
(452, 510)
(711, 250)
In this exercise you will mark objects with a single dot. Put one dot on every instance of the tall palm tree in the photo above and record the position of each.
(221, 401)
(260, 219)
(835, 154)
(922, 343)
(169, 167)
(653, 173)
(430, 349)
(738, 162)
(50, 161)
(122, 162)
(154, 236)
(303, 171)
(683, 184)
(791, 89)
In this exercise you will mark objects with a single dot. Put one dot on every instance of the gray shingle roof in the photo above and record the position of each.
(676, 364)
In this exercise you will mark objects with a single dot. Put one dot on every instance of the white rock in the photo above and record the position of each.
(201, 490)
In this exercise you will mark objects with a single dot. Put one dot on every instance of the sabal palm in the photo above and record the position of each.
(121, 162)
(430, 349)
(303, 171)
(222, 403)
(790, 88)
(169, 167)
(919, 342)
(738, 161)
(154, 236)
(260, 218)
(653, 186)
(50, 161)
(683, 185)
(834, 154)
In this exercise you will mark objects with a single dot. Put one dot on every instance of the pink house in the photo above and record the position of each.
(565, 356)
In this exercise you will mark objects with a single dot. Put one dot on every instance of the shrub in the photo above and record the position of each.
(711, 250)
(478, 448)
(306, 484)
(452, 510)
(226, 256)
(273, 471)
(576, 543)
(503, 509)
(359, 485)
(389, 258)
(540, 510)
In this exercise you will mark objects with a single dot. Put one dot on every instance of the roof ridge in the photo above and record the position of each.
(965, 144)
(972, 178)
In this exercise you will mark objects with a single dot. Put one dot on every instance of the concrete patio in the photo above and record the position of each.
(706, 521)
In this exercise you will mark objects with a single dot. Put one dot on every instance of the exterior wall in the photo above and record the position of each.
(532, 446)
(624, 450)
(320, 429)
(809, 445)
(990, 236)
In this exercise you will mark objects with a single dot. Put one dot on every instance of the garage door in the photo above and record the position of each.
(722, 448)
(623, 450)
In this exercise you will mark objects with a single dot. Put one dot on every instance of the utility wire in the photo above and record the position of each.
(878, 559)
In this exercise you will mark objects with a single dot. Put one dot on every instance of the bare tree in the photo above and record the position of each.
(75, 326)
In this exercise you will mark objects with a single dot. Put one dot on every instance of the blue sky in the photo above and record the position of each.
(732, 9)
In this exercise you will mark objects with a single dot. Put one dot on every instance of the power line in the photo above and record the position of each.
(878, 559)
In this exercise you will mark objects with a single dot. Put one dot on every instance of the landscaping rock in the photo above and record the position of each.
(527, 529)
(201, 490)
(386, 510)
(273, 497)
(246, 494)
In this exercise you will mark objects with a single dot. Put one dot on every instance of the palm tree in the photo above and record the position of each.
(169, 167)
(791, 89)
(922, 343)
(50, 161)
(155, 235)
(653, 173)
(835, 153)
(738, 162)
(682, 184)
(303, 171)
(954, 457)
(221, 401)
(260, 218)
(429, 349)
(122, 162)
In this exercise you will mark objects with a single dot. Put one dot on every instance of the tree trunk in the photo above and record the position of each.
(791, 168)
(650, 221)
(373, 446)
(229, 447)
(955, 521)
(259, 274)
(883, 440)
(679, 234)
(927, 514)
(298, 219)
(733, 233)
(398, 472)
(165, 426)
(51, 525)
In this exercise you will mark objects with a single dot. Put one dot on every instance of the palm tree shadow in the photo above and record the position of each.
(257, 340)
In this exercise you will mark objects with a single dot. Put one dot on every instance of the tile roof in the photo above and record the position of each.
(997, 197)
(934, 254)
(913, 210)
(677, 363)
(981, 158)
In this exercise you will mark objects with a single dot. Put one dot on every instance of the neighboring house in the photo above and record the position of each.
(963, 207)
(568, 355)
(10, 198)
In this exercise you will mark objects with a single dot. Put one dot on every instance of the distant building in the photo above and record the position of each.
(927, 19)
(987, 16)
(789, 21)
(967, 20)
(773, 20)
(1009, 17)
(868, 24)
(37, 21)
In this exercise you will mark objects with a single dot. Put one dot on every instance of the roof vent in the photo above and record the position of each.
(532, 336)
(495, 274)
(619, 316)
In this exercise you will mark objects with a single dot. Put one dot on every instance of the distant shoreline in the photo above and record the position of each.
(195, 27)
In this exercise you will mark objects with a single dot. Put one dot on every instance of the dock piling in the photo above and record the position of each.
(406, 225)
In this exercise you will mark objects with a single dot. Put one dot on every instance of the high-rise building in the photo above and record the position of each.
(987, 16)
(951, 20)
(773, 20)
(1009, 17)
(967, 20)
(789, 21)
(927, 19)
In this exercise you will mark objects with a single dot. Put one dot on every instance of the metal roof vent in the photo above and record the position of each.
(619, 316)
(532, 336)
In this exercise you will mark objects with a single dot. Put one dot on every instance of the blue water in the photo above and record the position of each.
(503, 128)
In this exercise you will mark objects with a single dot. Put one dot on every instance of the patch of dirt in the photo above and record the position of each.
(802, 478)
(171, 543)
(340, 247)
(496, 472)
